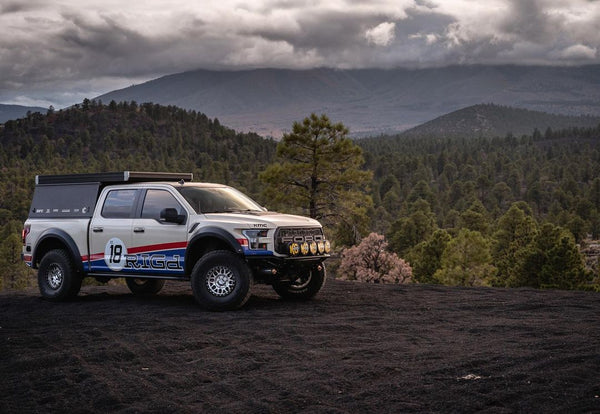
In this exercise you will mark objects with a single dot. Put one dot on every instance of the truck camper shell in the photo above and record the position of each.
(112, 177)
(75, 195)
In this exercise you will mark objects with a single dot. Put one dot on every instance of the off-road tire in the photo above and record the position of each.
(144, 287)
(58, 278)
(221, 280)
(305, 287)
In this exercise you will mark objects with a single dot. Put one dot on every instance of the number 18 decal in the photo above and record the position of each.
(114, 254)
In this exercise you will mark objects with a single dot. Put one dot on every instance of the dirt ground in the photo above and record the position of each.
(355, 348)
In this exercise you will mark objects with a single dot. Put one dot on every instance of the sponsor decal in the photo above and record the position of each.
(117, 257)
(114, 254)
(153, 261)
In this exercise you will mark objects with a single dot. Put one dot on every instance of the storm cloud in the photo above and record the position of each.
(56, 53)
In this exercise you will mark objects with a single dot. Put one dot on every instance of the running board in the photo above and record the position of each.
(132, 276)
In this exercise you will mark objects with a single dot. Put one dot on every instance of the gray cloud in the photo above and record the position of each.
(529, 21)
(60, 54)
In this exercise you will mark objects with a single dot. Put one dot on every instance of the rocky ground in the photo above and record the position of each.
(355, 348)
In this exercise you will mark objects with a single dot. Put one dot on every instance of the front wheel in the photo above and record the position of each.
(306, 285)
(144, 286)
(58, 278)
(221, 280)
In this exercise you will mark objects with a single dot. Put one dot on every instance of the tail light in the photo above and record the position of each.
(24, 234)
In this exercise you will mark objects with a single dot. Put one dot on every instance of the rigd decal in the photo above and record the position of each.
(117, 259)
(154, 262)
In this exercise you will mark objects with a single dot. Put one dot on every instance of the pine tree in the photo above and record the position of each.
(318, 173)
(467, 261)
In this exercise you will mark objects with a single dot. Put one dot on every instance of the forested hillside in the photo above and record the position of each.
(489, 120)
(93, 137)
(505, 211)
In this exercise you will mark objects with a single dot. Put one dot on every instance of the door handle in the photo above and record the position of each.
(138, 230)
(98, 229)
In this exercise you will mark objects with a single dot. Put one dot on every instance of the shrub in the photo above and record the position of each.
(371, 262)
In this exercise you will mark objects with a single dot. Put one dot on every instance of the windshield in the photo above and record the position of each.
(217, 200)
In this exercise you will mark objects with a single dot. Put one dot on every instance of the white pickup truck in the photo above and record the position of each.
(152, 227)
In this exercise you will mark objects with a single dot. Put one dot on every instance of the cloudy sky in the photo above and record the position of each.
(57, 52)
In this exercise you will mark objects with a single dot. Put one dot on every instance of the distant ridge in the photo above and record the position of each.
(368, 101)
(489, 120)
(8, 112)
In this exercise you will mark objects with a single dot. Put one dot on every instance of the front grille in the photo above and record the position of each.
(286, 235)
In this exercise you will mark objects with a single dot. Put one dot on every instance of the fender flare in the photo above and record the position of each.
(65, 239)
(217, 233)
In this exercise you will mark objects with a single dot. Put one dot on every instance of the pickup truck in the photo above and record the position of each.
(151, 227)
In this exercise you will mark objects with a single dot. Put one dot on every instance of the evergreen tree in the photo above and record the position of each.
(318, 172)
(407, 232)
(466, 261)
(426, 257)
(515, 232)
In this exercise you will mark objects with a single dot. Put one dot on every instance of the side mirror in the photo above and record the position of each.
(170, 215)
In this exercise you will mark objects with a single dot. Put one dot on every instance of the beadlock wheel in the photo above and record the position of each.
(305, 286)
(300, 283)
(55, 276)
(220, 281)
(58, 278)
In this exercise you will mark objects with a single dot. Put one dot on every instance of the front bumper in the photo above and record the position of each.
(281, 269)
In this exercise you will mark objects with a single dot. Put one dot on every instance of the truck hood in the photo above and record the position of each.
(259, 219)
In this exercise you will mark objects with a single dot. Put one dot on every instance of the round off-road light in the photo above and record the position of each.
(313, 247)
(327, 246)
(321, 247)
(294, 249)
(304, 248)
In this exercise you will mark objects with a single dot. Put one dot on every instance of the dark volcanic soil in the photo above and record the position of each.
(356, 348)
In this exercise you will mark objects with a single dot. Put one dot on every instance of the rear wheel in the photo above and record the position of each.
(144, 286)
(221, 280)
(306, 285)
(58, 278)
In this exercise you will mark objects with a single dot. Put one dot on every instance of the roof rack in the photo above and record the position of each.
(112, 177)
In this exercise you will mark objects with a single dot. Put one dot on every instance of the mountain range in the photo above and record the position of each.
(368, 101)
(17, 111)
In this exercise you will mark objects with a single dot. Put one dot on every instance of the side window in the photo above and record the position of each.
(119, 204)
(158, 200)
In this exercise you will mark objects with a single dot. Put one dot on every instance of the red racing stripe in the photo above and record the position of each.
(157, 247)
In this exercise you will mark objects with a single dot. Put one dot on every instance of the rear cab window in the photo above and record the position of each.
(119, 203)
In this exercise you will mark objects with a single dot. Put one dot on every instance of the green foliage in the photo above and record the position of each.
(466, 261)
(418, 226)
(504, 188)
(317, 172)
(426, 257)
(516, 230)
(552, 261)
(528, 200)
(15, 275)
(92, 137)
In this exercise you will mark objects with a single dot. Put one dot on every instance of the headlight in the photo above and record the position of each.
(253, 237)
(313, 247)
(327, 247)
